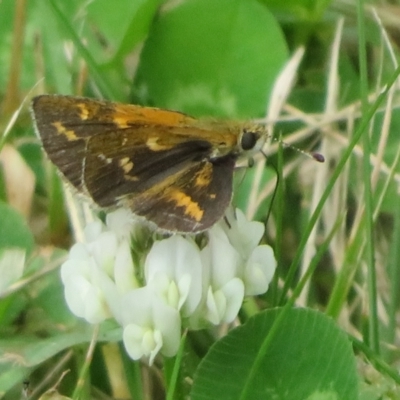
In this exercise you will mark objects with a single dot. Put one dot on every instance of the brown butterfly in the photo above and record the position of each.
(174, 170)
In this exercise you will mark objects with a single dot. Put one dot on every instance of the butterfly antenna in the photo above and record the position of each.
(313, 155)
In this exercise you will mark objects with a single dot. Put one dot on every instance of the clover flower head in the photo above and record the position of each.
(176, 282)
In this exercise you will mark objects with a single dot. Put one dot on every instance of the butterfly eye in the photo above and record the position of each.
(248, 140)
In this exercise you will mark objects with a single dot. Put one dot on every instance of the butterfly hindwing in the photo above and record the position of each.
(191, 200)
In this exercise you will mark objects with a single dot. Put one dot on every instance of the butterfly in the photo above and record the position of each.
(167, 167)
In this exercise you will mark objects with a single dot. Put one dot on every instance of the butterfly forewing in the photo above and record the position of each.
(160, 163)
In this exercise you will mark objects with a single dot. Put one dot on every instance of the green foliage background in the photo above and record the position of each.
(218, 58)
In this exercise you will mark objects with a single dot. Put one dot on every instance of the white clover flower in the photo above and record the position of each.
(224, 290)
(244, 235)
(173, 270)
(121, 222)
(258, 262)
(93, 230)
(259, 270)
(80, 275)
(181, 281)
(97, 273)
(150, 326)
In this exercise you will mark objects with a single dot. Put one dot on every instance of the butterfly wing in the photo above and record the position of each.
(156, 162)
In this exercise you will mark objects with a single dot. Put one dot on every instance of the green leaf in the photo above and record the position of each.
(14, 231)
(221, 63)
(310, 358)
(310, 10)
(19, 354)
(122, 24)
(33, 155)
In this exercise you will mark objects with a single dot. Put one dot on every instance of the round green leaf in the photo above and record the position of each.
(212, 57)
(309, 358)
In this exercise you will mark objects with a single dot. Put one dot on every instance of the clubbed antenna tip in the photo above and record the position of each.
(318, 157)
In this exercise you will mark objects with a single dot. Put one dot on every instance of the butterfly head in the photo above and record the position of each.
(251, 139)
